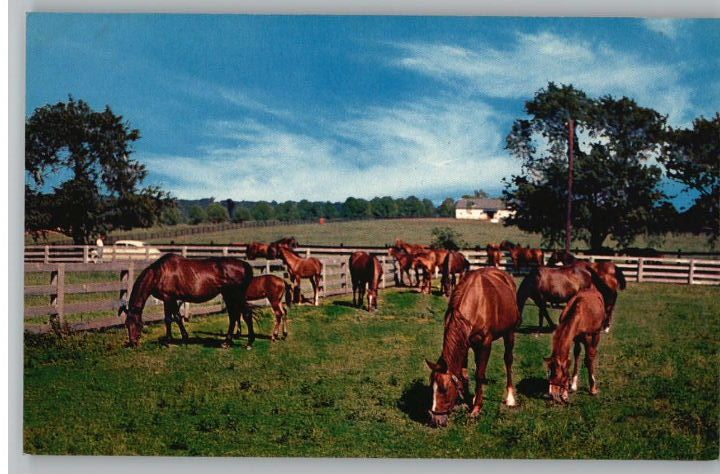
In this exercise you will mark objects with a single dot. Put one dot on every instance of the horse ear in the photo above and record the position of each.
(432, 365)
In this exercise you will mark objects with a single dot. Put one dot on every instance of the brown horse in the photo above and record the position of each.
(273, 288)
(410, 248)
(481, 309)
(404, 261)
(259, 249)
(289, 241)
(173, 278)
(562, 257)
(523, 257)
(455, 263)
(494, 255)
(300, 268)
(558, 285)
(425, 263)
(580, 323)
(365, 269)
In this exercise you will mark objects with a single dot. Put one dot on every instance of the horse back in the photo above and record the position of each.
(584, 313)
(266, 286)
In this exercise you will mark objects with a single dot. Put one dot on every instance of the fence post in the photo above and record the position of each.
(225, 251)
(691, 273)
(47, 254)
(147, 253)
(267, 267)
(640, 270)
(323, 279)
(184, 251)
(307, 253)
(57, 300)
(86, 253)
(592, 258)
(382, 276)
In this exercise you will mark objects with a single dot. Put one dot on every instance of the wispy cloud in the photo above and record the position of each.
(425, 148)
(519, 70)
(665, 26)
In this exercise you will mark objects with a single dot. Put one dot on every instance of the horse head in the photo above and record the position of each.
(447, 388)
(558, 379)
(133, 323)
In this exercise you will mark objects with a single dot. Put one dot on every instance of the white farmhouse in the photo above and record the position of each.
(493, 210)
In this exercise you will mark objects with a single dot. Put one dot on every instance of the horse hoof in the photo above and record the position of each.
(594, 391)
(607, 330)
(226, 345)
(247, 348)
(475, 412)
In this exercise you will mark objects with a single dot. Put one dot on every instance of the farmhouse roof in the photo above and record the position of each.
(481, 203)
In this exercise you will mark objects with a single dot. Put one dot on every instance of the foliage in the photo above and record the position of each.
(478, 193)
(241, 214)
(615, 191)
(447, 238)
(102, 192)
(447, 208)
(692, 157)
(262, 211)
(217, 213)
(172, 216)
(197, 215)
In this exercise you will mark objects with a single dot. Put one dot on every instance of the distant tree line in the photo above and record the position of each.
(209, 210)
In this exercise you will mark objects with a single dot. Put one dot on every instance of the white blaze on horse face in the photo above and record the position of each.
(510, 399)
(574, 386)
(434, 405)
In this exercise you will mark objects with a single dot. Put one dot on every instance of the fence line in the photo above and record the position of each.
(56, 262)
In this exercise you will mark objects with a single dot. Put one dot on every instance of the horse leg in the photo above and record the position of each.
(277, 310)
(591, 343)
(543, 313)
(482, 355)
(232, 310)
(609, 307)
(248, 317)
(361, 295)
(316, 289)
(355, 288)
(285, 321)
(169, 308)
(576, 368)
(509, 340)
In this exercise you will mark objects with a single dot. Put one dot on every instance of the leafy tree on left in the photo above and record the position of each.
(103, 190)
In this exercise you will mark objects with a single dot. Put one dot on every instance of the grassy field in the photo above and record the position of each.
(384, 232)
(347, 383)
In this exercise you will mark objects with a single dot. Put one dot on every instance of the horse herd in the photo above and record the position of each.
(484, 305)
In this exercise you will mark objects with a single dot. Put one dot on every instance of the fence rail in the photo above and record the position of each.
(54, 263)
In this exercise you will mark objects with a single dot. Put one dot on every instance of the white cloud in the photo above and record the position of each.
(416, 148)
(665, 26)
(533, 60)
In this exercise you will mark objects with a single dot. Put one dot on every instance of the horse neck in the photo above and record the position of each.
(455, 344)
(291, 259)
(562, 340)
(142, 288)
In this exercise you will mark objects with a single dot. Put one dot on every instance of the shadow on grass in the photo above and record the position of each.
(535, 330)
(347, 304)
(415, 401)
(533, 387)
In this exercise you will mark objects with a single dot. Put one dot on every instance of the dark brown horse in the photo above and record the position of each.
(289, 241)
(481, 309)
(173, 278)
(273, 288)
(300, 268)
(404, 262)
(562, 257)
(558, 285)
(454, 264)
(259, 249)
(494, 255)
(580, 323)
(365, 269)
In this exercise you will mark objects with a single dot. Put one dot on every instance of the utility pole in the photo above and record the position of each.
(571, 165)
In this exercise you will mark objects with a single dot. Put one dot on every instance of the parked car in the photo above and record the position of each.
(125, 250)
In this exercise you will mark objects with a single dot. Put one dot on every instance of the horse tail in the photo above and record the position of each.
(288, 293)
(528, 287)
(620, 277)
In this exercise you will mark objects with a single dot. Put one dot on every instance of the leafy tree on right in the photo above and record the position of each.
(616, 189)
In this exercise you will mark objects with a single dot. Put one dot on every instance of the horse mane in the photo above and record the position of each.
(606, 292)
(620, 277)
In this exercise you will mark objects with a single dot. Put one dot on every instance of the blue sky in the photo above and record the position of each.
(307, 107)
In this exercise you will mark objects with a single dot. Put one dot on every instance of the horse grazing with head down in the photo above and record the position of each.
(289, 241)
(481, 309)
(300, 268)
(173, 278)
(365, 269)
(580, 323)
(273, 288)
(454, 264)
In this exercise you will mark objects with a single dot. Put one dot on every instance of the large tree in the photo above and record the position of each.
(692, 157)
(96, 183)
(616, 190)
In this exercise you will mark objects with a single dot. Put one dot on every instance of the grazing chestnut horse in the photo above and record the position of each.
(289, 241)
(411, 248)
(173, 278)
(481, 309)
(404, 261)
(300, 268)
(580, 323)
(259, 249)
(494, 255)
(455, 263)
(365, 269)
(273, 288)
